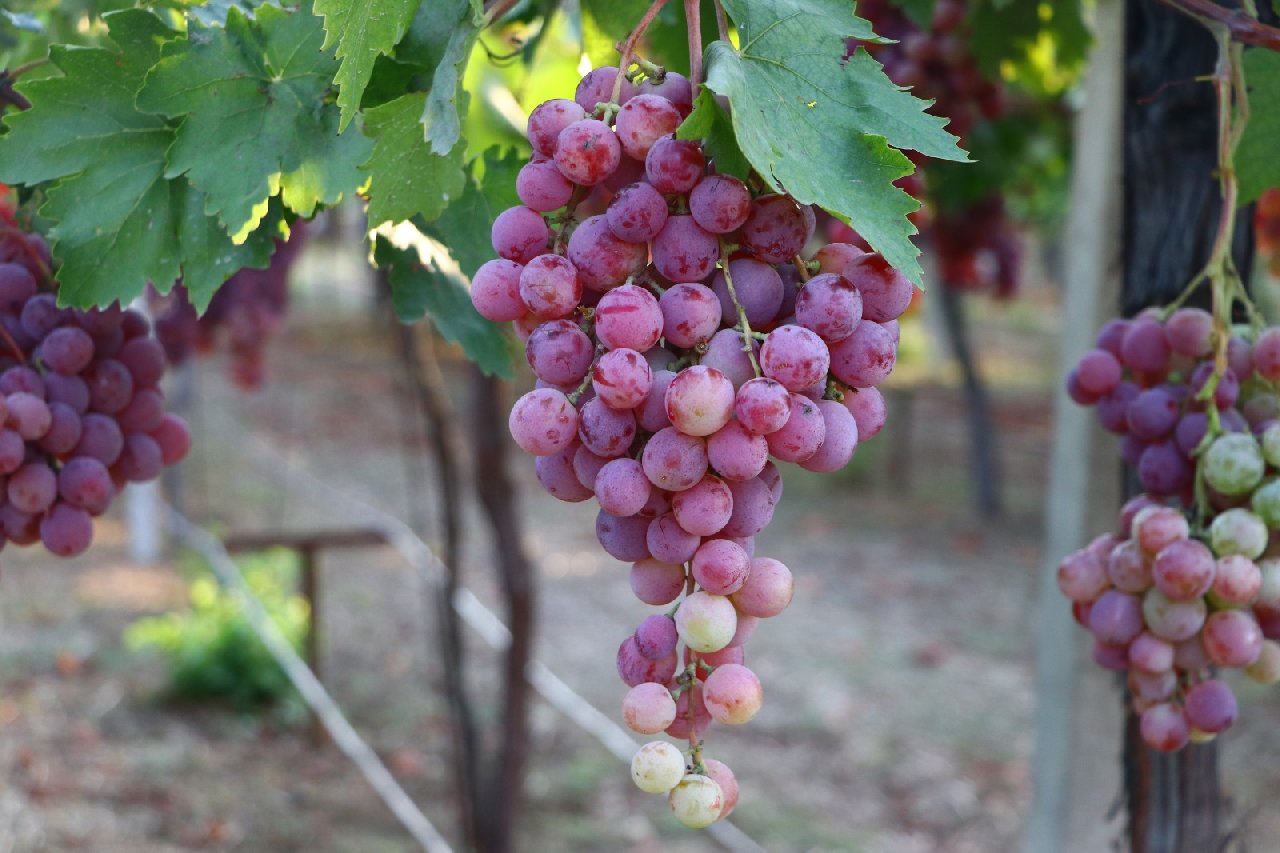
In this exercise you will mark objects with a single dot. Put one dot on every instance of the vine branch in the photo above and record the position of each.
(1240, 25)
(629, 47)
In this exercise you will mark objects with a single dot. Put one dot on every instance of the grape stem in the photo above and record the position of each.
(1239, 24)
(802, 269)
(722, 22)
(629, 46)
(577, 393)
(13, 345)
(561, 222)
(693, 18)
(745, 329)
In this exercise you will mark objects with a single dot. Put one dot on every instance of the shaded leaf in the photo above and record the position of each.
(1256, 159)
(362, 31)
(713, 126)
(406, 178)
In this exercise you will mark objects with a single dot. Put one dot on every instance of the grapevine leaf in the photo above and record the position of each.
(407, 179)
(209, 256)
(440, 115)
(114, 212)
(421, 287)
(1257, 166)
(713, 126)
(464, 226)
(362, 32)
(248, 97)
(820, 128)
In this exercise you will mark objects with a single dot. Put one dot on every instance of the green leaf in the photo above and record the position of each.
(713, 126)
(362, 32)
(440, 115)
(464, 226)
(1042, 46)
(209, 256)
(254, 122)
(421, 287)
(1257, 166)
(407, 179)
(820, 128)
(114, 211)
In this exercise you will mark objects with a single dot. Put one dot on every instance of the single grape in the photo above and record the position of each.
(602, 259)
(587, 152)
(696, 801)
(866, 357)
(596, 87)
(542, 422)
(656, 638)
(704, 508)
(690, 314)
(666, 540)
(630, 317)
(839, 439)
(648, 708)
(604, 431)
(549, 287)
(1082, 576)
(736, 453)
(642, 121)
(657, 767)
(1164, 727)
(622, 488)
(1116, 618)
(637, 213)
(728, 783)
(775, 230)
(1210, 706)
(683, 251)
(556, 475)
(1238, 531)
(1232, 638)
(673, 460)
(699, 400)
(548, 119)
(803, 433)
(767, 591)
(622, 379)
(733, 694)
(559, 352)
(885, 292)
(706, 622)
(720, 566)
(758, 288)
(795, 357)
(519, 234)
(1183, 570)
(727, 353)
(720, 203)
(655, 582)
(674, 165)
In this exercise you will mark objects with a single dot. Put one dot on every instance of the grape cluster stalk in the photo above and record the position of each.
(977, 246)
(681, 336)
(81, 410)
(1190, 580)
(243, 315)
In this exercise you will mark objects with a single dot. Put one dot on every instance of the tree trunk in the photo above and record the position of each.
(496, 491)
(1172, 205)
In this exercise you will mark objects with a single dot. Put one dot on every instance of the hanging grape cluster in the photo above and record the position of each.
(976, 246)
(1167, 601)
(81, 411)
(680, 339)
(243, 315)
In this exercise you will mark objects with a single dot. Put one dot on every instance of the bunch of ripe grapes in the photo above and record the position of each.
(682, 334)
(245, 312)
(81, 410)
(1190, 580)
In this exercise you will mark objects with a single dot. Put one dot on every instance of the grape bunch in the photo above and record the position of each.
(977, 246)
(81, 411)
(243, 315)
(680, 339)
(1190, 580)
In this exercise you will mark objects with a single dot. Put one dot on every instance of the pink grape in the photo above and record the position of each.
(140, 460)
(628, 316)
(726, 353)
(634, 668)
(559, 352)
(604, 431)
(839, 441)
(656, 637)
(763, 405)
(543, 187)
(648, 708)
(1183, 570)
(1082, 577)
(621, 487)
(637, 213)
(1150, 653)
(683, 251)
(556, 475)
(1171, 620)
(736, 453)
(548, 119)
(1232, 638)
(720, 203)
(597, 88)
(795, 357)
(865, 358)
(1158, 526)
(1128, 569)
(1116, 618)
(674, 165)
(775, 230)
(690, 314)
(673, 460)
(705, 507)
(767, 591)
(519, 234)
(101, 438)
(706, 622)
(1236, 581)
(1266, 354)
(622, 538)
(733, 694)
(542, 422)
(549, 287)
(622, 379)
(603, 260)
(1164, 727)
(651, 414)
(666, 540)
(803, 433)
(1190, 332)
(642, 121)
(65, 429)
(85, 483)
(830, 305)
(672, 86)
(699, 400)
(885, 291)
(655, 582)
(720, 566)
(753, 505)
(758, 287)
(32, 488)
(1144, 347)
(495, 291)
(587, 152)
(1099, 372)
(1210, 706)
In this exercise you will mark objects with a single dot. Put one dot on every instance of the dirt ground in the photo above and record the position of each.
(899, 688)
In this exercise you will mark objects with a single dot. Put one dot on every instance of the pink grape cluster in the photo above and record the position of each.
(680, 339)
(1165, 608)
(246, 311)
(1165, 601)
(81, 411)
